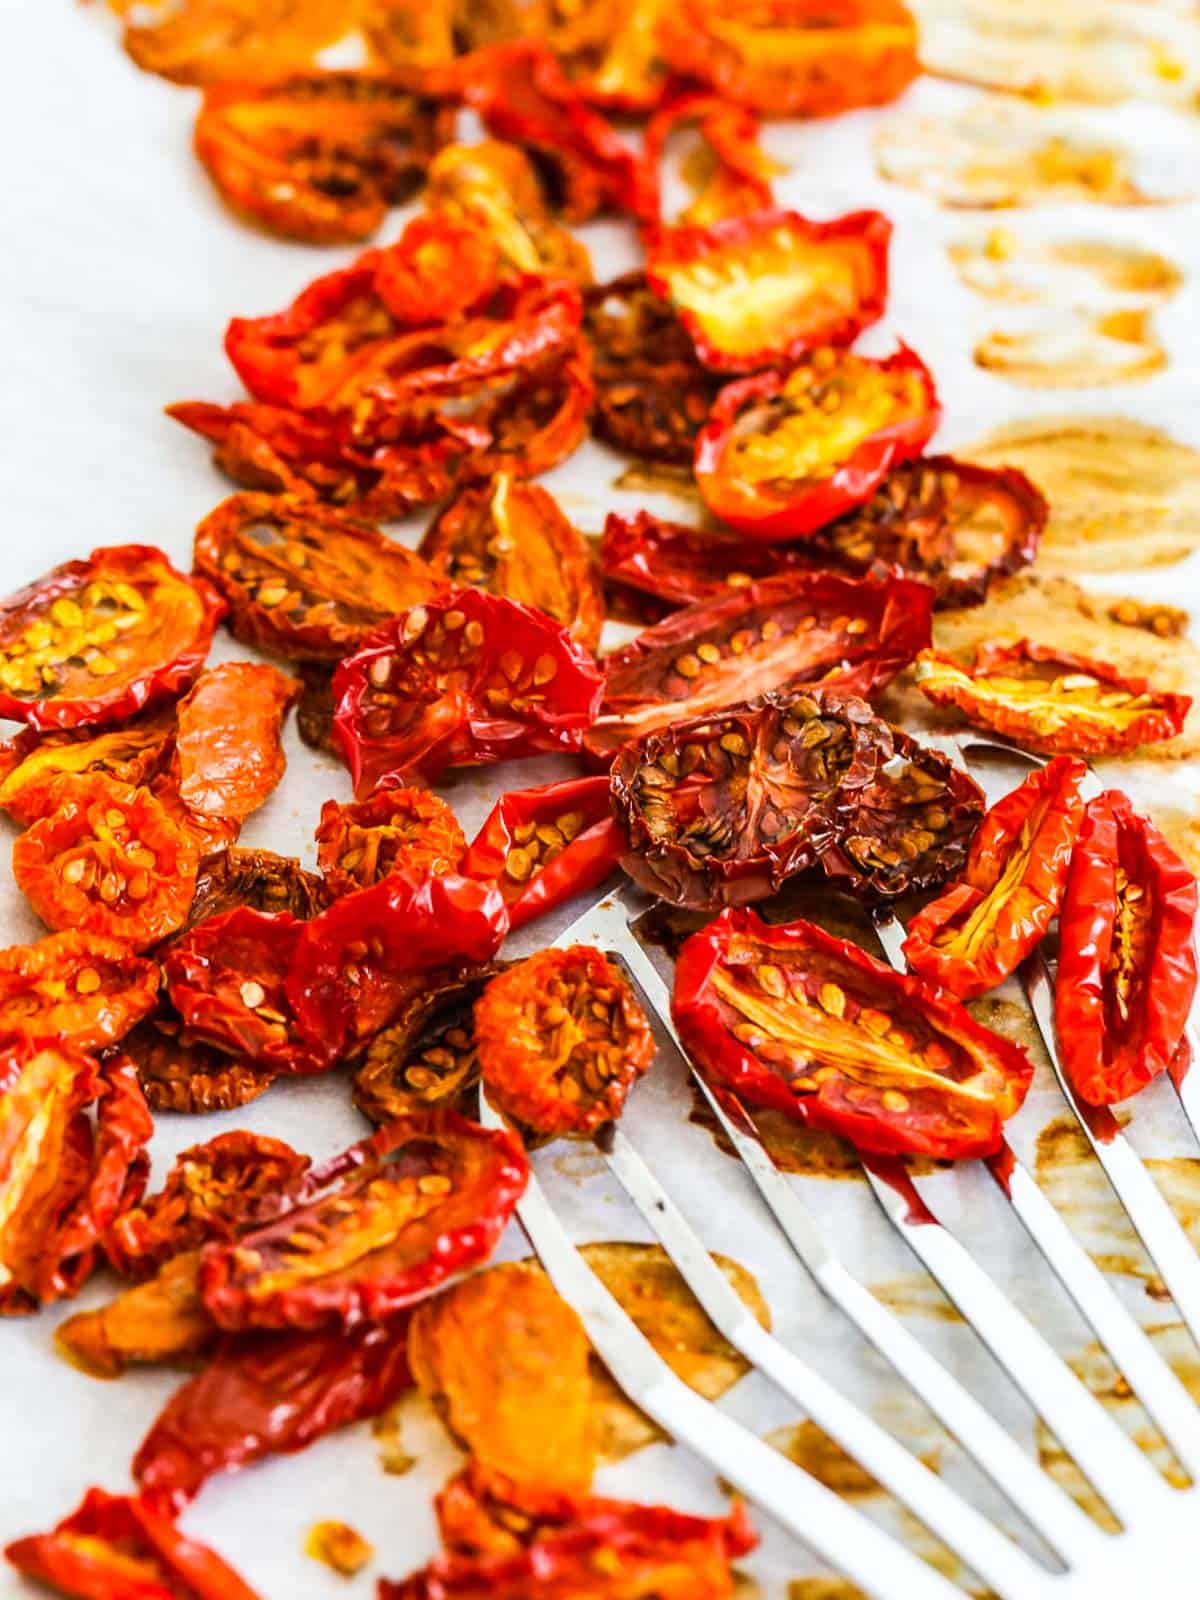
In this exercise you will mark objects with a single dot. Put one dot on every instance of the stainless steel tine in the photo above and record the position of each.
(881, 1566)
(1187, 1084)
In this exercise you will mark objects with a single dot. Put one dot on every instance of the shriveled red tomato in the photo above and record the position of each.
(206, 41)
(161, 1321)
(131, 754)
(792, 1018)
(108, 860)
(96, 640)
(684, 566)
(1126, 959)
(320, 156)
(116, 1547)
(794, 58)
(543, 845)
(396, 830)
(256, 878)
(210, 1190)
(181, 1073)
(77, 986)
(1052, 701)
(782, 453)
(446, 265)
(208, 833)
(763, 290)
(849, 634)
(466, 679)
(561, 1041)
(730, 172)
(302, 580)
(228, 750)
(379, 1228)
(984, 925)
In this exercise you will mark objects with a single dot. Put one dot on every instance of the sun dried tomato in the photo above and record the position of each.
(77, 986)
(1052, 701)
(209, 1191)
(207, 833)
(268, 1395)
(729, 172)
(652, 394)
(496, 186)
(508, 1360)
(117, 1547)
(178, 1072)
(409, 33)
(764, 290)
(467, 679)
(107, 860)
(302, 580)
(561, 1041)
(849, 634)
(1126, 959)
(314, 709)
(541, 846)
(130, 754)
(258, 879)
(205, 41)
(782, 454)
(683, 566)
(984, 925)
(396, 830)
(161, 1321)
(228, 750)
(794, 58)
(380, 1228)
(621, 67)
(792, 1018)
(95, 641)
(510, 538)
(445, 266)
(320, 157)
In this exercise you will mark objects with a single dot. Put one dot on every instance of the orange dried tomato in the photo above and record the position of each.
(208, 834)
(410, 33)
(161, 1320)
(181, 1073)
(396, 830)
(77, 986)
(129, 754)
(206, 41)
(108, 860)
(730, 172)
(440, 268)
(228, 751)
(561, 1041)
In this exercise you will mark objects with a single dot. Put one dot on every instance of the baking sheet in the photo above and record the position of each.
(119, 274)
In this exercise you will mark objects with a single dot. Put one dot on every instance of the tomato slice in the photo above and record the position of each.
(684, 566)
(782, 454)
(161, 1320)
(78, 986)
(1052, 701)
(445, 266)
(180, 1073)
(403, 34)
(396, 830)
(381, 1227)
(95, 641)
(256, 878)
(730, 172)
(37, 763)
(206, 41)
(228, 747)
(792, 1018)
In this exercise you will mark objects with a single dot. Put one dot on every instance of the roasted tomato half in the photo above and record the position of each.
(228, 743)
(467, 679)
(782, 454)
(78, 986)
(849, 634)
(561, 1041)
(302, 580)
(794, 58)
(762, 291)
(728, 172)
(684, 566)
(180, 1073)
(792, 1018)
(208, 41)
(402, 34)
(1126, 960)
(159, 1322)
(320, 157)
(1052, 701)
(396, 830)
(131, 754)
(94, 641)
(379, 1228)
(258, 879)
(983, 926)
(510, 538)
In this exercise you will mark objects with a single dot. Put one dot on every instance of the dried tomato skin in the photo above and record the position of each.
(1112, 1048)
(852, 635)
(130, 754)
(319, 157)
(741, 181)
(928, 1122)
(184, 611)
(205, 41)
(228, 746)
(84, 987)
(795, 508)
(684, 566)
(90, 1553)
(489, 1176)
(477, 722)
(258, 879)
(181, 1074)
(447, 266)
(351, 576)
(1042, 817)
(1063, 728)
(396, 830)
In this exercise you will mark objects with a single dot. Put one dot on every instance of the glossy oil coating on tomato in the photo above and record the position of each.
(382, 1227)
(467, 679)
(792, 1018)
(561, 1041)
(79, 986)
(510, 537)
(256, 878)
(782, 454)
(794, 58)
(228, 744)
(116, 1547)
(108, 860)
(729, 173)
(441, 268)
(208, 41)
(984, 925)
(849, 634)
(34, 763)
(160, 1321)
(320, 157)
(762, 291)
(683, 565)
(95, 641)
(181, 1073)
(543, 845)
(1126, 963)
(396, 830)
(304, 581)
(1052, 701)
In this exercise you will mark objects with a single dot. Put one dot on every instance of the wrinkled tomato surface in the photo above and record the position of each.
(396, 830)
(730, 174)
(207, 41)
(79, 986)
(256, 878)
(32, 764)
(181, 1073)
(228, 742)
(159, 1322)
(684, 565)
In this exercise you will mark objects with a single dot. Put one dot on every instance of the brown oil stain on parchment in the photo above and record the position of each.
(823, 1589)
(1004, 266)
(914, 1295)
(1073, 349)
